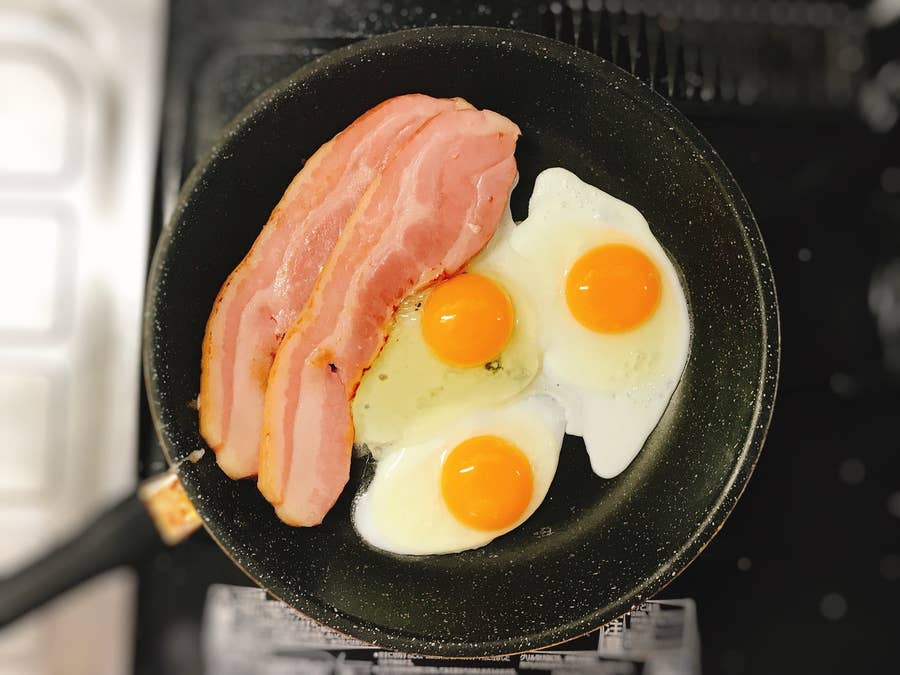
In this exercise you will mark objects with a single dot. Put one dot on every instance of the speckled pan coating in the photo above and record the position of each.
(595, 547)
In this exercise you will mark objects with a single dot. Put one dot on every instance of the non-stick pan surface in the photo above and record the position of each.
(595, 547)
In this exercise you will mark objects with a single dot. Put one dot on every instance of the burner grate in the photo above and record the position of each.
(783, 55)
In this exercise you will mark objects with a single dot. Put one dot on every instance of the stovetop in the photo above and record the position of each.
(797, 99)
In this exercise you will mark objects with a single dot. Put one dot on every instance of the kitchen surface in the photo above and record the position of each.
(114, 104)
(81, 88)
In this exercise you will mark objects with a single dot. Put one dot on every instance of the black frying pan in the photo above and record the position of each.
(595, 547)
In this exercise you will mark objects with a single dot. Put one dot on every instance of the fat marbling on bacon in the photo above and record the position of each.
(263, 295)
(434, 206)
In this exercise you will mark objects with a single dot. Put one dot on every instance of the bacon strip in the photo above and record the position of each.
(263, 295)
(435, 205)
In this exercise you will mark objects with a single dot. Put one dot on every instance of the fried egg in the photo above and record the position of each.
(465, 344)
(479, 478)
(614, 329)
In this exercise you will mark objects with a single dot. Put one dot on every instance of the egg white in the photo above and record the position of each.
(402, 510)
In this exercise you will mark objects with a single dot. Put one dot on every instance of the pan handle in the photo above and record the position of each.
(127, 533)
(122, 535)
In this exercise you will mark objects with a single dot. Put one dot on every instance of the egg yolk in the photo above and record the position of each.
(487, 483)
(467, 320)
(612, 288)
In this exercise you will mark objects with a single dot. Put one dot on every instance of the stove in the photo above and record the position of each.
(801, 100)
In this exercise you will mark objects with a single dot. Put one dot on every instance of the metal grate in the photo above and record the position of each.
(773, 54)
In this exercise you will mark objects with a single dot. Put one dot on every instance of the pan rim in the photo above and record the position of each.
(745, 463)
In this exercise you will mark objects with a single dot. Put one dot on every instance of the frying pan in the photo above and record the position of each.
(595, 547)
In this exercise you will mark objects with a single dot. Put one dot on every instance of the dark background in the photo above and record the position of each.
(800, 99)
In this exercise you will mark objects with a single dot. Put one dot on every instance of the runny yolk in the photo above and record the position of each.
(612, 288)
(487, 482)
(467, 320)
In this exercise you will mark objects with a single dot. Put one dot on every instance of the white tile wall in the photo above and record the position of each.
(80, 84)
(30, 268)
(37, 112)
(26, 416)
